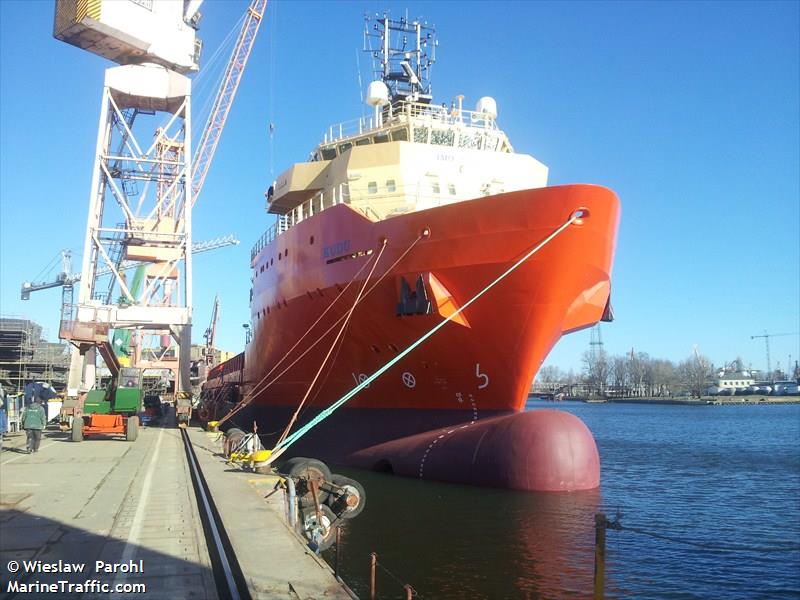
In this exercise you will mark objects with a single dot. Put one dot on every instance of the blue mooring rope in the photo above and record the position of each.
(576, 215)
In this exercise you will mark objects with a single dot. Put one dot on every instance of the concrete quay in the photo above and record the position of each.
(705, 400)
(75, 517)
(274, 560)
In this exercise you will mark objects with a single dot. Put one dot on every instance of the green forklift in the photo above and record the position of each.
(113, 410)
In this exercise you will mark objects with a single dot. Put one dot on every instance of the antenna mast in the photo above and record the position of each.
(405, 58)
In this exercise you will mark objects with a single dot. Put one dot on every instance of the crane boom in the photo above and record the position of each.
(67, 278)
(211, 332)
(225, 95)
(766, 337)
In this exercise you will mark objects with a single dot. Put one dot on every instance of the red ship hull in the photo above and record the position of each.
(478, 366)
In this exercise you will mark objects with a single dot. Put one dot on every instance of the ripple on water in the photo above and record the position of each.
(720, 475)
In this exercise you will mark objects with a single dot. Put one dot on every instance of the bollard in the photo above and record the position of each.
(600, 523)
(373, 564)
(409, 592)
(338, 543)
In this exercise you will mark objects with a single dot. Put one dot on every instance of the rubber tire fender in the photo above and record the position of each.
(77, 429)
(337, 500)
(232, 438)
(312, 469)
(287, 464)
(132, 428)
(329, 525)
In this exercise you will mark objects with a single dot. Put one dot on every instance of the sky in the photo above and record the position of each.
(687, 110)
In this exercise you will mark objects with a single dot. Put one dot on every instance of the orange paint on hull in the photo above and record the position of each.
(485, 363)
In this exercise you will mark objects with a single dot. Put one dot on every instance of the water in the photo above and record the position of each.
(713, 475)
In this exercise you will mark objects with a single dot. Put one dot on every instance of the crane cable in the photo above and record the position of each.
(256, 391)
(342, 329)
(279, 449)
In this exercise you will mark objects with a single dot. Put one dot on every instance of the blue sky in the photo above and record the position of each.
(688, 110)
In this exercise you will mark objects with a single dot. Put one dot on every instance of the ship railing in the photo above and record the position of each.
(410, 113)
(320, 201)
(375, 203)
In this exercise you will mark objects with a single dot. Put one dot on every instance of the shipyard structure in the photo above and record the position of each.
(25, 354)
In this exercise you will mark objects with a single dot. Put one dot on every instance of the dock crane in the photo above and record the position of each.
(144, 187)
(211, 333)
(67, 278)
(227, 92)
(766, 337)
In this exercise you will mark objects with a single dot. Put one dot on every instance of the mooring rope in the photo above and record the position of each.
(789, 547)
(256, 390)
(339, 320)
(333, 345)
(324, 414)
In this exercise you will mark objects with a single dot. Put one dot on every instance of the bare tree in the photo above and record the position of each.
(697, 373)
(666, 377)
(596, 370)
(550, 374)
(619, 375)
(638, 372)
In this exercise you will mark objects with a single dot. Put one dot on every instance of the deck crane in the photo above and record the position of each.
(211, 333)
(143, 180)
(766, 337)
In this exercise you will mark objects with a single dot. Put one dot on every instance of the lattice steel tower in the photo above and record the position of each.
(140, 204)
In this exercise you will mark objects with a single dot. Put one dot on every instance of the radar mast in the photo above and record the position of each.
(404, 57)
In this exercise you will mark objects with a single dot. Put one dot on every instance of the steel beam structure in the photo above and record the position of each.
(140, 212)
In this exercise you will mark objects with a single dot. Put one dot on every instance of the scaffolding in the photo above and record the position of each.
(26, 355)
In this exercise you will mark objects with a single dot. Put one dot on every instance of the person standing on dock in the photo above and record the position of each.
(3, 418)
(33, 421)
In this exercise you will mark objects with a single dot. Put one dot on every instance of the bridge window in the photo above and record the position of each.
(345, 147)
(421, 135)
(400, 135)
(468, 140)
(329, 153)
(381, 138)
(363, 142)
(443, 137)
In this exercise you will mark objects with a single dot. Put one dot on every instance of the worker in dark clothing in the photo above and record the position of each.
(38, 391)
(3, 418)
(33, 420)
(30, 392)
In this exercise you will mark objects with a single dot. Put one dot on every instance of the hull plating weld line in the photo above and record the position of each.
(230, 584)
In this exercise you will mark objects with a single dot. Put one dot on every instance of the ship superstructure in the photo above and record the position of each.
(419, 207)
(410, 154)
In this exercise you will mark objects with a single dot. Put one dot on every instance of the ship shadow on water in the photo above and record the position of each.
(455, 541)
